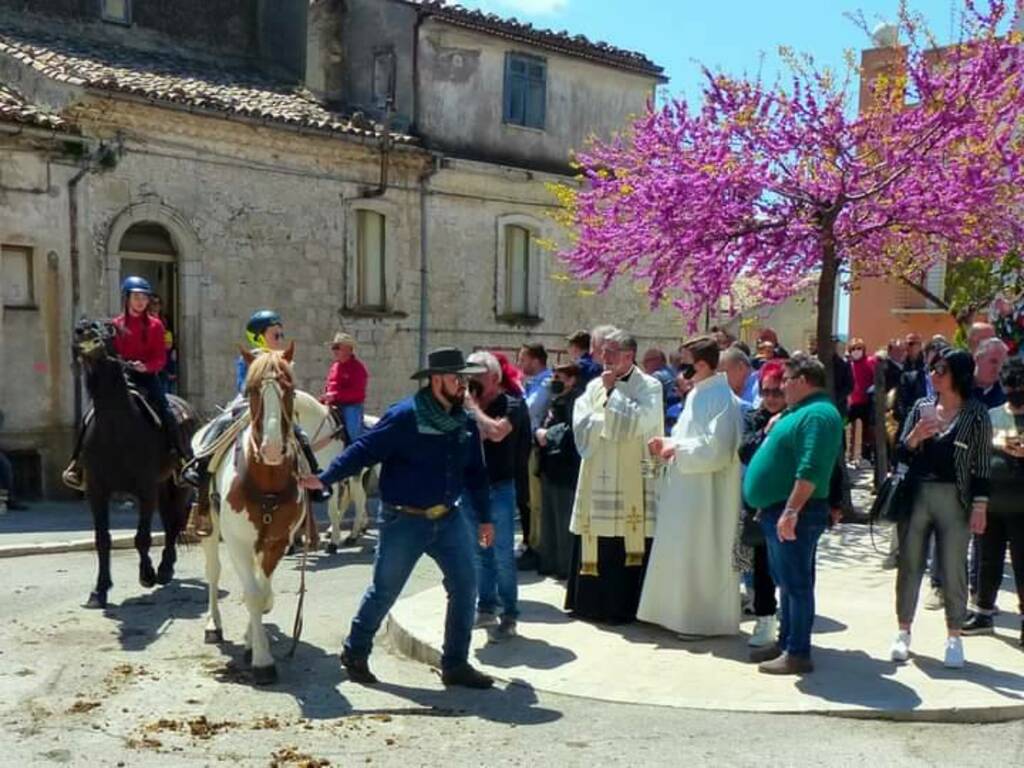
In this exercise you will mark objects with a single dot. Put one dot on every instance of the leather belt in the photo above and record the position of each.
(430, 513)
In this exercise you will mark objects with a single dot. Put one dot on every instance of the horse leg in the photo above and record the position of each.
(359, 516)
(143, 539)
(173, 502)
(211, 550)
(99, 505)
(256, 641)
(336, 511)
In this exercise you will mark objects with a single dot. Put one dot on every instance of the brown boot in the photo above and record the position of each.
(200, 522)
(787, 665)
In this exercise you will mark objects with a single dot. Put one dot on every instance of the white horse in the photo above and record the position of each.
(318, 422)
(261, 504)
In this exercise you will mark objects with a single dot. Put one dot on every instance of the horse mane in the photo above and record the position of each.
(268, 362)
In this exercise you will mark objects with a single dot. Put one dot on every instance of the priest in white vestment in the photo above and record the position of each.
(612, 516)
(691, 586)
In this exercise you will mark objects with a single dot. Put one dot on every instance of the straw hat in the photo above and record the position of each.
(343, 338)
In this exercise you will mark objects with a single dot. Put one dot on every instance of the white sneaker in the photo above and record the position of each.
(900, 646)
(764, 632)
(954, 653)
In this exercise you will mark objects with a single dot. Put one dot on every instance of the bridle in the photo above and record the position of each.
(274, 384)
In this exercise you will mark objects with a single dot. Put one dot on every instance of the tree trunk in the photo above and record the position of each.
(827, 304)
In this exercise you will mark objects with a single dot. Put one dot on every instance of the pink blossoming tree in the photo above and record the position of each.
(766, 185)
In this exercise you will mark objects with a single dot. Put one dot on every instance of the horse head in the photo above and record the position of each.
(270, 389)
(92, 342)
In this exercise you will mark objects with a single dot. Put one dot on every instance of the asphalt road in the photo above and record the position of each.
(135, 686)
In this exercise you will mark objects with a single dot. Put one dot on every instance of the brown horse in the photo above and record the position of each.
(261, 504)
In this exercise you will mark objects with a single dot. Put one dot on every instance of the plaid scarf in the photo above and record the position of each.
(432, 418)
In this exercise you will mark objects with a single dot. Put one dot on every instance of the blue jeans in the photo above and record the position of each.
(792, 568)
(352, 417)
(403, 539)
(496, 566)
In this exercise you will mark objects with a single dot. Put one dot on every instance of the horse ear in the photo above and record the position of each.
(247, 355)
(290, 352)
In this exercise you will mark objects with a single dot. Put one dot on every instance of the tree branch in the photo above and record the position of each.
(941, 303)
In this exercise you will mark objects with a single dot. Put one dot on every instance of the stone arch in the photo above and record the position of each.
(189, 262)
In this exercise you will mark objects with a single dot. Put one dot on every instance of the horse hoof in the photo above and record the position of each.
(164, 575)
(351, 541)
(264, 675)
(147, 578)
(97, 600)
(213, 637)
(247, 656)
(332, 548)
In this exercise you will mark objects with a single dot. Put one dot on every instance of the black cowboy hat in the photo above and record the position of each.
(448, 360)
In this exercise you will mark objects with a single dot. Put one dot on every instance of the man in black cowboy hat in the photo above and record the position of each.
(430, 453)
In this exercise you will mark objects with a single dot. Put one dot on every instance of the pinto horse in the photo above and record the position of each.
(124, 452)
(259, 503)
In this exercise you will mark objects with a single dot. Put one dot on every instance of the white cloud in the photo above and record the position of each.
(538, 7)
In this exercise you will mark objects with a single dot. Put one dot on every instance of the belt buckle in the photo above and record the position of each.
(435, 512)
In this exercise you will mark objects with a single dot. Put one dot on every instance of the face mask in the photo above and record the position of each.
(1016, 398)
(557, 387)
(687, 370)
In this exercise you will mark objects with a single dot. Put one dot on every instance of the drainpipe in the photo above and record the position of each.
(76, 278)
(385, 149)
(435, 166)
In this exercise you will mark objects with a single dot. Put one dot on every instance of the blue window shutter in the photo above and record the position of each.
(525, 90)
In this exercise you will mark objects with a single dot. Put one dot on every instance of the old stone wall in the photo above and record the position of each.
(461, 99)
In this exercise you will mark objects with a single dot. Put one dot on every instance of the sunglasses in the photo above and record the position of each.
(771, 392)
(940, 369)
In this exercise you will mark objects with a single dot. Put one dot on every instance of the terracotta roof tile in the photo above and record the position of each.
(165, 76)
(562, 42)
(14, 108)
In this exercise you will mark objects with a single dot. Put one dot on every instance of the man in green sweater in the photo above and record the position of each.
(788, 482)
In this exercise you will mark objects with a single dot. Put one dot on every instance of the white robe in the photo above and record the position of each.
(611, 434)
(691, 586)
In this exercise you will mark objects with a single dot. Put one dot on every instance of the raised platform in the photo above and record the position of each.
(854, 677)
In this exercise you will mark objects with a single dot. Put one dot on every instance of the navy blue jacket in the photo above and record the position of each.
(589, 369)
(418, 469)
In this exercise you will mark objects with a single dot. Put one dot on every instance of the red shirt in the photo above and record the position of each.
(142, 339)
(346, 383)
(863, 379)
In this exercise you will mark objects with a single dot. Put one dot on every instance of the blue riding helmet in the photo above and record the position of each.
(257, 326)
(136, 284)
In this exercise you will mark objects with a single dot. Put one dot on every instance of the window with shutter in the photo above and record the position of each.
(525, 90)
(117, 11)
(517, 271)
(370, 275)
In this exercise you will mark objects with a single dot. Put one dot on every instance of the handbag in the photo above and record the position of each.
(894, 498)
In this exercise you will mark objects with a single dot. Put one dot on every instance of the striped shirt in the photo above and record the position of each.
(972, 457)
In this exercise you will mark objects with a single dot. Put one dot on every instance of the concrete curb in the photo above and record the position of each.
(76, 545)
(408, 644)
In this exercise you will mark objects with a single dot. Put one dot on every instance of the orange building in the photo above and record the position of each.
(879, 308)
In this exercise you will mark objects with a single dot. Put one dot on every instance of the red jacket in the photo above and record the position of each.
(142, 339)
(863, 379)
(346, 383)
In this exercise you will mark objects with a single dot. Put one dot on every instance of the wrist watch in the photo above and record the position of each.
(790, 511)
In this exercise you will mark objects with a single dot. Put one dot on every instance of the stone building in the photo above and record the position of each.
(381, 166)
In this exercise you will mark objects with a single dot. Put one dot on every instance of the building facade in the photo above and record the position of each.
(377, 166)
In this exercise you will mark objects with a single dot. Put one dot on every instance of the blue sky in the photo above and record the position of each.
(681, 34)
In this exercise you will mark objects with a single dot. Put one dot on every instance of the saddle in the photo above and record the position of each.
(147, 408)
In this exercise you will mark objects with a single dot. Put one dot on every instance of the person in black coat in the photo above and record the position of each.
(559, 472)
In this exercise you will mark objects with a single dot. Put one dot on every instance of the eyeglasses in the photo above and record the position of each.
(461, 378)
(771, 392)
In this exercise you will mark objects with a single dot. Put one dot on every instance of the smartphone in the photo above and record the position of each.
(928, 412)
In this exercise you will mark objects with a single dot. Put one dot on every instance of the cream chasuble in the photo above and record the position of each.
(612, 496)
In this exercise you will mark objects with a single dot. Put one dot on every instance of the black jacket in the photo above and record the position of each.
(559, 459)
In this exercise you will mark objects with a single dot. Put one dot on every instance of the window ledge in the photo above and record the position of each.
(23, 307)
(919, 311)
(372, 313)
(525, 128)
(529, 320)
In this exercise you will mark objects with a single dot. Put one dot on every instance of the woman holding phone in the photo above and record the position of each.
(1006, 507)
(947, 443)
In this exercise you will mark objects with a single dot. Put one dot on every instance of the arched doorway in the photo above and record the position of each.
(147, 250)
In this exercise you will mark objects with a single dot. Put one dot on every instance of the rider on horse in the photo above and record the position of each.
(264, 331)
(139, 341)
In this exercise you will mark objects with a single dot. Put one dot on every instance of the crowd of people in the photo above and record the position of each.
(663, 487)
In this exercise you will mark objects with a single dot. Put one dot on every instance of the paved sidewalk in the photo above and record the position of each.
(52, 527)
(644, 664)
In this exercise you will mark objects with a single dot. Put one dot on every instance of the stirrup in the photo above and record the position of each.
(200, 525)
